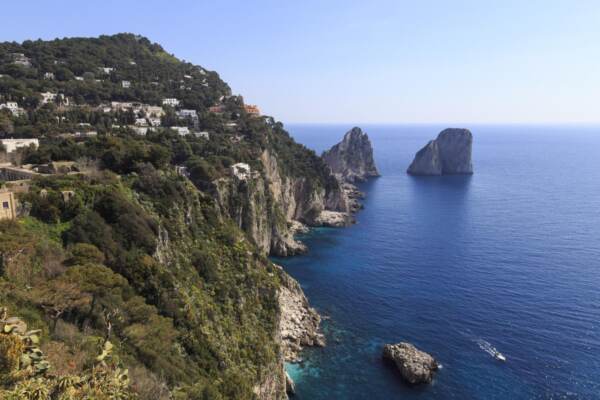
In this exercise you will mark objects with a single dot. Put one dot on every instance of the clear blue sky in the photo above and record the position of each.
(365, 61)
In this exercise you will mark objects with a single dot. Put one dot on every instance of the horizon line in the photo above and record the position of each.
(545, 123)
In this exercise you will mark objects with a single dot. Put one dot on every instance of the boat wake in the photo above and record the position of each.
(491, 350)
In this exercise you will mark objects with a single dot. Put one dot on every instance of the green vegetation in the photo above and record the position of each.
(200, 316)
(137, 253)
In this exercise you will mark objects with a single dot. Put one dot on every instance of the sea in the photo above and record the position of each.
(508, 258)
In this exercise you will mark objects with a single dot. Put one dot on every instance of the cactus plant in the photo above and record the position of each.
(24, 370)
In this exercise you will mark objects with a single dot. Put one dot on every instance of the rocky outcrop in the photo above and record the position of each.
(299, 324)
(268, 204)
(352, 158)
(290, 387)
(273, 386)
(334, 219)
(414, 365)
(449, 154)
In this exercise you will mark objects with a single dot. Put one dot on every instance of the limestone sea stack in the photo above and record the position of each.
(414, 365)
(449, 154)
(352, 158)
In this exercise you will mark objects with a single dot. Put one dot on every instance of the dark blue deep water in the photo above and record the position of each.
(510, 256)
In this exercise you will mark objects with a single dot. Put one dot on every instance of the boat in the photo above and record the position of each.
(491, 350)
(499, 356)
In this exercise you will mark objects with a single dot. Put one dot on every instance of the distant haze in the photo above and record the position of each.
(377, 61)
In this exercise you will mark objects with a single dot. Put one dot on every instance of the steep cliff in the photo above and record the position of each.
(449, 154)
(268, 202)
(352, 158)
(163, 239)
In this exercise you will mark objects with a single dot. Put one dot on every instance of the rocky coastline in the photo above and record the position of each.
(299, 323)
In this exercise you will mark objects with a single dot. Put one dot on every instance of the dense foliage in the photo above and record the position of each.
(132, 243)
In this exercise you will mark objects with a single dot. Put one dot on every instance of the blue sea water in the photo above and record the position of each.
(510, 256)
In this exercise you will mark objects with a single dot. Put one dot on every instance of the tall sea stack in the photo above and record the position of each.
(449, 154)
(352, 158)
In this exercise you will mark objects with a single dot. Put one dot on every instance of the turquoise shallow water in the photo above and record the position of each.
(510, 256)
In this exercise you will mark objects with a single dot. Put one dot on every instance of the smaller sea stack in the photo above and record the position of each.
(449, 154)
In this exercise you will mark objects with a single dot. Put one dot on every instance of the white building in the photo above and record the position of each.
(204, 135)
(21, 59)
(120, 106)
(181, 130)
(86, 134)
(13, 144)
(48, 97)
(107, 70)
(153, 111)
(126, 84)
(187, 114)
(13, 107)
(170, 102)
(139, 130)
(141, 122)
(154, 121)
(79, 78)
(49, 76)
(241, 171)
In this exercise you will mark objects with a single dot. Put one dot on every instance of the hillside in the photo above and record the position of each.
(145, 220)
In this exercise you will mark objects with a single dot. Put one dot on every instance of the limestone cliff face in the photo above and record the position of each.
(449, 154)
(352, 158)
(266, 204)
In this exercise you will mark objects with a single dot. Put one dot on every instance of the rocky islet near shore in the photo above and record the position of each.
(415, 366)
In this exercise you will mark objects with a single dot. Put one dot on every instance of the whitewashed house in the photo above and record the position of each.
(181, 130)
(12, 145)
(153, 111)
(139, 130)
(154, 121)
(202, 134)
(141, 122)
(13, 107)
(170, 101)
(187, 114)
(48, 97)
(241, 171)
(125, 84)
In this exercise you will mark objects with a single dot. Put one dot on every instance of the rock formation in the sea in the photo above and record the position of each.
(352, 158)
(414, 365)
(449, 154)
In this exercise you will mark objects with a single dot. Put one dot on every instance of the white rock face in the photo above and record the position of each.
(449, 154)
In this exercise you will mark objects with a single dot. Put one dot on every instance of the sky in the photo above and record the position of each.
(345, 61)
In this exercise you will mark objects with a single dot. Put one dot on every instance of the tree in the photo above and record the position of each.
(85, 253)
(59, 296)
(6, 125)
